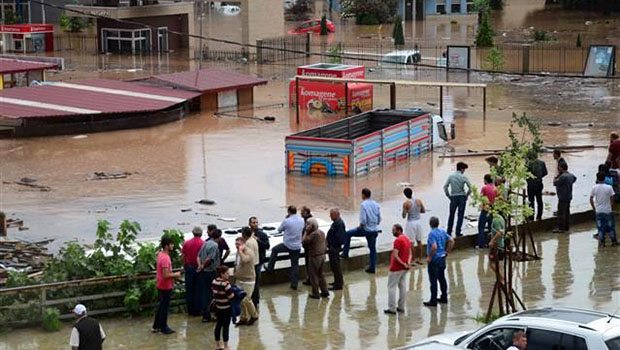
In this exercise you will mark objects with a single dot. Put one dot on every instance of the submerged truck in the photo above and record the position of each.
(361, 143)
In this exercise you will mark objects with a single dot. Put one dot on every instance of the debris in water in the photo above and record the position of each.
(28, 180)
(102, 175)
(185, 210)
(404, 184)
(227, 219)
(206, 202)
(554, 123)
(79, 137)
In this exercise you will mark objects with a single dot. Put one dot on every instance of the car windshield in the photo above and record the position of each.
(394, 59)
(613, 344)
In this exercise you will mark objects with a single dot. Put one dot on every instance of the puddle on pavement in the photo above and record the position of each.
(573, 272)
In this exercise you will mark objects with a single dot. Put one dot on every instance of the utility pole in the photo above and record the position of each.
(202, 3)
(43, 11)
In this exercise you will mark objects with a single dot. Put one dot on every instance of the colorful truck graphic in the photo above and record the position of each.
(362, 143)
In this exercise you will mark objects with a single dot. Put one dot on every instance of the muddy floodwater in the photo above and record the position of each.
(573, 272)
(239, 163)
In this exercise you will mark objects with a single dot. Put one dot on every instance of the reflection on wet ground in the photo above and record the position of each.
(573, 272)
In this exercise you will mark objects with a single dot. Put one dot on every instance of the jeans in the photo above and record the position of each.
(334, 265)
(293, 255)
(484, 225)
(563, 215)
(193, 291)
(256, 293)
(207, 279)
(371, 238)
(436, 273)
(161, 317)
(457, 202)
(534, 193)
(397, 280)
(605, 223)
(222, 324)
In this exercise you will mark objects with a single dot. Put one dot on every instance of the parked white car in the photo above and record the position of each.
(546, 329)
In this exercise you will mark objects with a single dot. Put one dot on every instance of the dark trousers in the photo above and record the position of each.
(193, 291)
(293, 255)
(222, 323)
(534, 195)
(436, 273)
(315, 271)
(563, 215)
(457, 202)
(484, 225)
(256, 293)
(371, 239)
(161, 317)
(207, 294)
(334, 265)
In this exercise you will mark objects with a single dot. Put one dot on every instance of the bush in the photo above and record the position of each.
(541, 35)
(369, 12)
(132, 300)
(495, 60)
(51, 320)
(335, 54)
(578, 43)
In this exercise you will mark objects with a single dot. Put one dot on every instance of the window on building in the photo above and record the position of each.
(470, 7)
(441, 9)
(125, 40)
(456, 8)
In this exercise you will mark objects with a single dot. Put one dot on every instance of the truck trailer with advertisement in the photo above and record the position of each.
(364, 142)
(317, 97)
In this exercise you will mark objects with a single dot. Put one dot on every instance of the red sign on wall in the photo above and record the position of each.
(26, 28)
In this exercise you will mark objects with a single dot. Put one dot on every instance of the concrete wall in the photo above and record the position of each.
(261, 19)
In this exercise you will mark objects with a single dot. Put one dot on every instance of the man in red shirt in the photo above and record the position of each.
(399, 268)
(165, 282)
(614, 150)
(193, 288)
(484, 220)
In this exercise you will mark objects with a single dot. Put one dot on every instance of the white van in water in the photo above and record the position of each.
(401, 57)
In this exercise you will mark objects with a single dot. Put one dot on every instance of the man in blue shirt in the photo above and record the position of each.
(293, 227)
(370, 218)
(438, 246)
(456, 183)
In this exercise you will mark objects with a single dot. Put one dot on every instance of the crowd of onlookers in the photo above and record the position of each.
(212, 295)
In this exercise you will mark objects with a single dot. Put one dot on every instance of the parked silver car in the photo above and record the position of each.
(550, 328)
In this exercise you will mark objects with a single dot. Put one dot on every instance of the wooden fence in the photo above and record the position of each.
(20, 306)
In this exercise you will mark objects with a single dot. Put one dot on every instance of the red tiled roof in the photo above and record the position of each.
(210, 80)
(9, 65)
(100, 101)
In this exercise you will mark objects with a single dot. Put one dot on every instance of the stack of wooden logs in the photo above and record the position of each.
(16, 255)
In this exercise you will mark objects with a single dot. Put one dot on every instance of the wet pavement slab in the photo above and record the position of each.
(573, 272)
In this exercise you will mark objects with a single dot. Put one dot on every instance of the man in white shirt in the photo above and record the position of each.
(519, 341)
(601, 200)
(87, 333)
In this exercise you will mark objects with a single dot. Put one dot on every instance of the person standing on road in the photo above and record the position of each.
(412, 208)
(438, 246)
(400, 260)
(306, 214)
(221, 243)
(370, 218)
(87, 332)
(222, 295)
(194, 288)
(535, 186)
(454, 189)
(314, 241)
(245, 277)
(165, 283)
(263, 244)
(602, 201)
(563, 183)
(519, 341)
(335, 238)
(293, 228)
(489, 192)
(614, 150)
(208, 260)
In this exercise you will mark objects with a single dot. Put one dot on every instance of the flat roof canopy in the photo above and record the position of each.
(208, 80)
(9, 65)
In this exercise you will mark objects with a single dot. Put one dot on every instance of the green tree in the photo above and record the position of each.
(323, 25)
(335, 54)
(484, 36)
(71, 24)
(398, 34)
(369, 12)
(495, 60)
(578, 43)
(9, 16)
